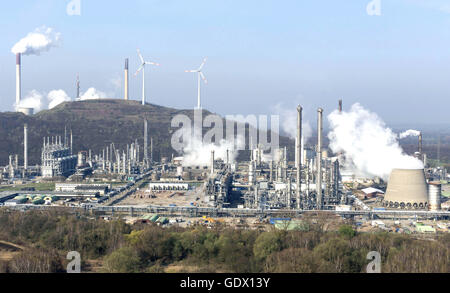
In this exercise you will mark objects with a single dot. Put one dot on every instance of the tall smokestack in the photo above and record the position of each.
(25, 147)
(319, 159)
(78, 86)
(299, 154)
(151, 149)
(212, 162)
(420, 143)
(126, 79)
(18, 79)
(145, 142)
(340, 106)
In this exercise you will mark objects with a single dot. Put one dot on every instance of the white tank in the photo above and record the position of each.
(180, 171)
(434, 196)
(81, 159)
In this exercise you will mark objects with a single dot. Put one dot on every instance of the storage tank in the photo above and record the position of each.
(406, 189)
(26, 111)
(179, 170)
(21, 199)
(38, 201)
(81, 159)
(434, 196)
(51, 198)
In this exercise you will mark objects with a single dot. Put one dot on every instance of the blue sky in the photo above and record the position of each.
(260, 53)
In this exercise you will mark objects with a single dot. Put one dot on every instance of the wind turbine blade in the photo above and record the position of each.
(140, 56)
(153, 63)
(203, 77)
(139, 69)
(191, 71)
(201, 65)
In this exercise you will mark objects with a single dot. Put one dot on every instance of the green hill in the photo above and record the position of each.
(95, 124)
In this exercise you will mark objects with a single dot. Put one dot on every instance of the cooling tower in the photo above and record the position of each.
(26, 111)
(406, 189)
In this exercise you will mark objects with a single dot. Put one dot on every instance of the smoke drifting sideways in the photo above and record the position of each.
(36, 100)
(369, 147)
(41, 40)
(410, 132)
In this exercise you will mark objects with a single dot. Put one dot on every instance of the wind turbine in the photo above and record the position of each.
(200, 76)
(142, 67)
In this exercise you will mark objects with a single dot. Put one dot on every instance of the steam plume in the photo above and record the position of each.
(288, 121)
(196, 153)
(41, 40)
(39, 101)
(410, 132)
(93, 94)
(32, 100)
(368, 145)
(57, 97)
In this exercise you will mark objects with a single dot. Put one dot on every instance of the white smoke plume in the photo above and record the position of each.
(39, 101)
(93, 94)
(410, 132)
(41, 40)
(288, 121)
(57, 97)
(368, 145)
(33, 99)
(196, 153)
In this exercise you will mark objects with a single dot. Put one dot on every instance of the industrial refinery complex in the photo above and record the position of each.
(132, 182)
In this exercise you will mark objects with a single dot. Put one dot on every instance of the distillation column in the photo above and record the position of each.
(319, 160)
(299, 155)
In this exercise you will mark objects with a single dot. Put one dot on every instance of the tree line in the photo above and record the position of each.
(123, 247)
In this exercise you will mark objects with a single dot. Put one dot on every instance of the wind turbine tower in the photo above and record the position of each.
(142, 67)
(200, 76)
